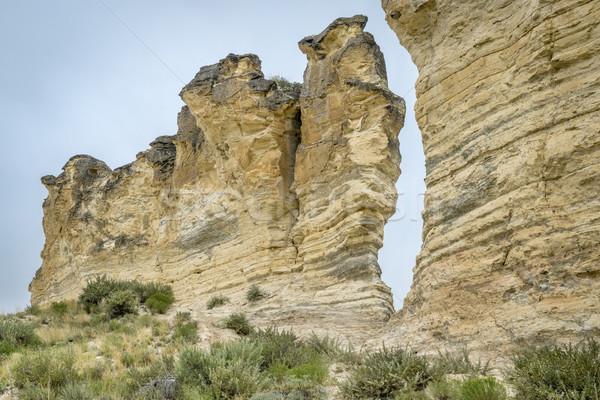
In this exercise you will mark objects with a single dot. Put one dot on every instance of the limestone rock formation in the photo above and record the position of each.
(289, 189)
(508, 102)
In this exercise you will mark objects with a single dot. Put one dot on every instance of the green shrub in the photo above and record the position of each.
(282, 347)
(34, 392)
(159, 302)
(120, 303)
(59, 309)
(255, 293)
(442, 389)
(3, 386)
(217, 301)
(49, 367)
(182, 317)
(147, 290)
(33, 309)
(193, 366)
(6, 348)
(229, 370)
(239, 323)
(140, 378)
(96, 290)
(186, 332)
(553, 372)
(325, 345)
(100, 288)
(292, 389)
(481, 389)
(17, 333)
(282, 82)
(385, 374)
(314, 371)
(74, 391)
(235, 368)
(449, 363)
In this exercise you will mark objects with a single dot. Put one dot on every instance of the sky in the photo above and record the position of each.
(102, 77)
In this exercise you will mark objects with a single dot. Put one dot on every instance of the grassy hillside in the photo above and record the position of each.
(114, 344)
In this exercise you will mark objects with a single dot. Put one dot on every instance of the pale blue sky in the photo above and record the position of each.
(78, 78)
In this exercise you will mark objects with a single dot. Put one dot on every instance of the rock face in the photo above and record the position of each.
(508, 102)
(289, 189)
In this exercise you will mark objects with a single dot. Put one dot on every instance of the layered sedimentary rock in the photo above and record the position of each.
(288, 189)
(508, 102)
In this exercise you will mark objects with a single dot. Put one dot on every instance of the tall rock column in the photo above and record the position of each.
(347, 165)
(508, 102)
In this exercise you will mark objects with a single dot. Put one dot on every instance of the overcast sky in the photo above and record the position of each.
(102, 77)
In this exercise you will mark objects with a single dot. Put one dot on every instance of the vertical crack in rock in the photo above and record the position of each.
(508, 102)
(287, 188)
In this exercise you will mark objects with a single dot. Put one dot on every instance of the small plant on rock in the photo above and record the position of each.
(239, 323)
(217, 301)
(255, 293)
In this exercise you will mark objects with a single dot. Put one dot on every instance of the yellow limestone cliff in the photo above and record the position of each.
(508, 103)
(286, 188)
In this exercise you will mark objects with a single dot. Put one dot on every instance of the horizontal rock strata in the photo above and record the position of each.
(508, 102)
(285, 188)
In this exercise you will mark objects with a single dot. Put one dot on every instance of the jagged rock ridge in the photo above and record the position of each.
(508, 101)
(289, 189)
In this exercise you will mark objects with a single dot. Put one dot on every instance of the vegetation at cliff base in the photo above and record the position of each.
(71, 351)
(117, 298)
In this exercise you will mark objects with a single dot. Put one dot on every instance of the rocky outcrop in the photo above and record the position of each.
(289, 189)
(508, 101)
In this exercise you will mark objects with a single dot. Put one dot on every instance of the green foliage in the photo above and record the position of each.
(3, 386)
(100, 288)
(182, 317)
(45, 368)
(325, 345)
(570, 373)
(193, 366)
(480, 389)
(314, 371)
(239, 323)
(74, 391)
(386, 373)
(138, 378)
(281, 347)
(6, 348)
(97, 290)
(293, 389)
(235, 370)
(59, 309)
(217, 301)
(33, 309)
(159, 302)
(255, 293)
(34, 392)
(15, 333)
(229, 370)
(146, 290)
(281, 82)
(186, 332)
(120, 303)
(442, 389)
(449, 363)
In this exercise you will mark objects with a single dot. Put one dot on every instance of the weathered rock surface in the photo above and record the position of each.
(508, 102)
(289, 189)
